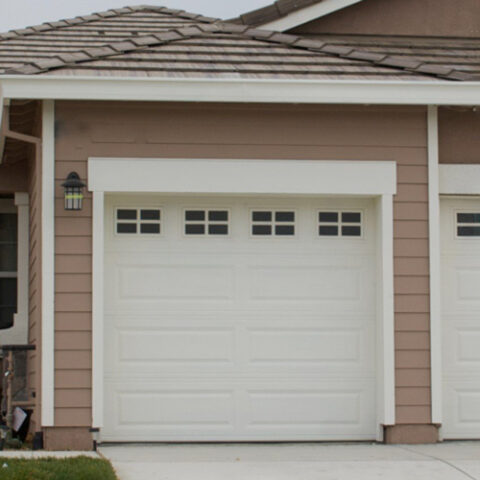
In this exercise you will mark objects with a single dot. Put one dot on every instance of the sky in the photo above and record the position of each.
(23, 13)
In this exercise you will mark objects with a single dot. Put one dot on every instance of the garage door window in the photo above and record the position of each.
(339, 224)
(206, 222)
(468, 224)
(138, 221)
(278, 223)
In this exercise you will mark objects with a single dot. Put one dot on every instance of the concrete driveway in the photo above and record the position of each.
(447, 461)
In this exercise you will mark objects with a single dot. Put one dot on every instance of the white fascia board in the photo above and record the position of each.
(242, 90)
(230, 177)
(459, 179)
(308, 14)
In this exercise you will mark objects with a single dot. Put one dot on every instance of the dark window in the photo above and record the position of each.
(126, 228)
(194, 229)
(126, 214)
(218, 216)
(217, 229)
(8, 301)
(284, 230)
(153, 228)
(195, 215)
(328, 217)
(328, 230)
(469, 231)
(351, 217)
(150, 215)
(351, 231)
(261, 229)
(261, 216)
(284, 216)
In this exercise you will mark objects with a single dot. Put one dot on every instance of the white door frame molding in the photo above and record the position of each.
(252, 177)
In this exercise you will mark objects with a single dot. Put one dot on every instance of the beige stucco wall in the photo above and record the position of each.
(236, 131)
(402, 17)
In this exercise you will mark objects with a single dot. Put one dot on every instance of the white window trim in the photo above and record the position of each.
(273, 223)
(137, 222)
(371, 179)
(206, 222)
(48, 264)
(340, 224)
(308, 14)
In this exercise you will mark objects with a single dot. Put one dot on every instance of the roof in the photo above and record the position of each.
(147, 41)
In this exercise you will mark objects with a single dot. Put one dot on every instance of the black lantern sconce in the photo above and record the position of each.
(73, 191)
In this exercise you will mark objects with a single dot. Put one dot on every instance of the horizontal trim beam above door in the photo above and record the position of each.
(285, 177)
(459, 179)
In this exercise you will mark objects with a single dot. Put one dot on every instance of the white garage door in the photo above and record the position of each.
(461, 317)
(235, 319)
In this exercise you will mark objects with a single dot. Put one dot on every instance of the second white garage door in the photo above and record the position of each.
(239, 319)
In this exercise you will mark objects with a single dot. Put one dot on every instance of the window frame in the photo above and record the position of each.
(458, 224)
(273, 223)
(138, 221)
(206, 222)
(339, 223)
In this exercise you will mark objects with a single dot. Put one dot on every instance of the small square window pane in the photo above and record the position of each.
(328, 217)
(351, 231)
(8, 258)
(261, 229)
(328, 230)
(150, 215)
(126, 214)
(284, 230)
(284, 216)
(351, 217)
(262, 216)
(8, 227)
(150, 228)
(8, 292)
(218, 216)
(218, 229)
(468, 217)
(195, 215)
(126, 228)
(469, 231)
(195, 229)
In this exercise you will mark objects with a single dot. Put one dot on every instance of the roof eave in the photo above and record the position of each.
(241, 90)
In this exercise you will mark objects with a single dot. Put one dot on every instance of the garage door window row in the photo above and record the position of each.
(263, 222)
(468, 224)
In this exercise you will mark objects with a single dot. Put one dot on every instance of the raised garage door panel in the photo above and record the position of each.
(460, 321)
(239, 337)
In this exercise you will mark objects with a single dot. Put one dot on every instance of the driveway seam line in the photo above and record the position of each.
(446, 462)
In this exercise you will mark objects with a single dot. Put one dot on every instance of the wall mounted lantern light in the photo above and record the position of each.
(73, 191)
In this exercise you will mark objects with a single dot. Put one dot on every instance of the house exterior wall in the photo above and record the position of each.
(401, 17)
(234, 131)
(459, 139)
(13, 178)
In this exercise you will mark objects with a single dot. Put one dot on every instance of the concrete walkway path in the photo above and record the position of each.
(447, 461)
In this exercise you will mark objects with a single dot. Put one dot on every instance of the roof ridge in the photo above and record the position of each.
(296, 41)
(92, 17)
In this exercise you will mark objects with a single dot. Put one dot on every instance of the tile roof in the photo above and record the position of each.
(270, 13)
(155, 41)
(48, 40)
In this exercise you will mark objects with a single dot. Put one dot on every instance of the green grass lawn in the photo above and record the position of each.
(78, 468)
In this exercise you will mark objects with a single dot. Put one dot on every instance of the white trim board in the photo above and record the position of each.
(459, 179)
(373, 179)
(274, 177)
(241, 90)
(308, 14)
(48, 263)
(434, 246)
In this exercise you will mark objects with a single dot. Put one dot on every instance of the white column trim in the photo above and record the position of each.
(48, 263)
(434, 243)
(23, 245)
(97, 309)
(385, 315)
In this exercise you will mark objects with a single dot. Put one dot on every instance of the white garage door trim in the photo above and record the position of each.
(267, 177)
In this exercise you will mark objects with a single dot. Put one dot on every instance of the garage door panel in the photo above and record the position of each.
(240, 338)
(460, 278)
